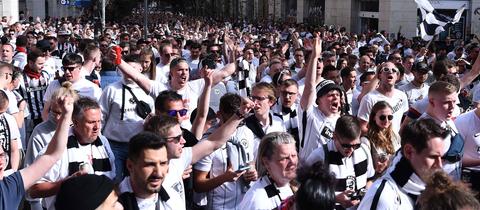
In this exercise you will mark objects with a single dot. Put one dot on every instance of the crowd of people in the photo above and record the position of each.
(197, 113)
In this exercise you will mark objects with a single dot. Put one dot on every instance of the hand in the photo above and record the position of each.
(230, 175)
(251, 175)
(66, 103)
(207, 75)
(187, 172)
(285, 47)
(317, 46)
(76, 174)
(344, 199)
(22, 105)
(246, 106)
(381, 166)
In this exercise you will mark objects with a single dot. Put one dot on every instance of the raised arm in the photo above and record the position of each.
(471, 75)
(55, 148)
(143, 81)
(198, 124)
(311, 74)
(222, 134)
(220, 75)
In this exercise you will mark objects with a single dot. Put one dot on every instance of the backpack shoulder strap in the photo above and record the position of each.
(377, 195)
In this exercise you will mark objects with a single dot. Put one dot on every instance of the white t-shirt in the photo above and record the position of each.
(398, 101)
(142, 203)
(83, 87)
(114, 127)
(229, 194)
(276, 125)
(14, 135)
(256, 197)
(173, 182)
(191, 91)
(319, 130)
(420, 107)
(414, 93)
(391, 198)
(162, 72)
(468, 125)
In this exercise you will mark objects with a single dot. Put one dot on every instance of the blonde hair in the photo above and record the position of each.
(66, 89)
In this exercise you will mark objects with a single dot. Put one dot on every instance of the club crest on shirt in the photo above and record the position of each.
(178, 188)
(244, 143)
(327, 132)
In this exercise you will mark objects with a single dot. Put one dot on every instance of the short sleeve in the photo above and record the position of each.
(12, 190)
(317, 155)
(49, 92)
(156, 87)
(364, 109)
(204, 164)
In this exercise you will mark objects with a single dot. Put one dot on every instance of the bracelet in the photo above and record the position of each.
(240, 115)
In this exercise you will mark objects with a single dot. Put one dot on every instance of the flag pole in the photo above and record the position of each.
(431, 40)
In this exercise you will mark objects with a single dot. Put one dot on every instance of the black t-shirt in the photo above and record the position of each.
(190, 139)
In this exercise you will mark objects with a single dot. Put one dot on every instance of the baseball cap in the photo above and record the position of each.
(44, 45)
(421, 67)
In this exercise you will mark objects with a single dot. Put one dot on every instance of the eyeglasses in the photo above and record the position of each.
(69, 68)
(390, 70)
(7, 74)
(174, 139)
(384, 117)
(173, 113)
(258, 98)
(352, 146)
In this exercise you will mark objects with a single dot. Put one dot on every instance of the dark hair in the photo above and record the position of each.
(132, 58)
(21, 41)
(348, 127)
(452, 79)
(165, 97)
(364, 76)
(440, 68)
(71, 58)
(144, 140)
(345, 72)
(83, 104)
(160, 124)
(229, 104)
(196, 45)
(34, 54)
(419, 132)
(327, 69)
(317, 187)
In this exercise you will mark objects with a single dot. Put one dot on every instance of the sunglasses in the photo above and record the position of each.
(69, 68)
(174, 139)
(390, 70)
(353, 146)
(173, 113)
(384, 117)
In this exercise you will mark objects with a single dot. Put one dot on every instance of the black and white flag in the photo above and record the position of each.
(433, 22)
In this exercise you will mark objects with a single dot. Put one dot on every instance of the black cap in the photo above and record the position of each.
(85, 192)
(44, 45)
(326, 86)
(421, 67)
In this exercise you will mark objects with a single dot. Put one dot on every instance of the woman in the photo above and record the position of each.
(276, 165)
(381, 138)
(147, 59)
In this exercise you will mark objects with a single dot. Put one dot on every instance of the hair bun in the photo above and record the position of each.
(67, 84)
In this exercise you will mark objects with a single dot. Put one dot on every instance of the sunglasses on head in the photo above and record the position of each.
(384, 117)
(389, 70)
(173, 113)
(353, 146)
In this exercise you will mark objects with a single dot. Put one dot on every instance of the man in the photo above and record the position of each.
(386, 91)
(225, 186)
(72, 65)
(421, 154)
(286, 107)
(147, 164)
(13, 187)
(329, 59)
(194, 60)
(88, 152)
(417, 89)
(274, 67)
(92, 63)
(331, 73)
(442, 98)
(20, 56)
(349, 78)
(317, 123)
(6, 53)
(33, 87)
(51, 64)
(16, 109)
(163, 67)
(180, 158)
(348, 159)
(408, 63)
(363, 66)
(299, 61)
(247, 73)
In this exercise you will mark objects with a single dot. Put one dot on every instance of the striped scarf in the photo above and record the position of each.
(94, 154)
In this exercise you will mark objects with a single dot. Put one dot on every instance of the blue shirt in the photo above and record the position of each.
(12, 191)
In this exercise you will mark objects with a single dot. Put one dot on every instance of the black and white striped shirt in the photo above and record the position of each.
(33, 91)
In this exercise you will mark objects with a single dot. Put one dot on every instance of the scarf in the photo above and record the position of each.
(32, 74)
(405, 177)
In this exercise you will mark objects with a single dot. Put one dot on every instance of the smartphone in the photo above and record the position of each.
(243, 168)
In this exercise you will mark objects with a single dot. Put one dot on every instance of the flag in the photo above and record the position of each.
(433, 22)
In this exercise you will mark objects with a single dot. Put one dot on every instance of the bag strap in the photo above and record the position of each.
(377, 195)
(304, 127)
(123, 102)
(131, 92)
